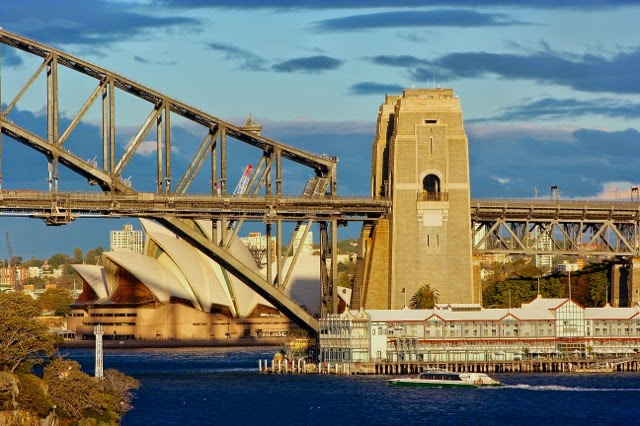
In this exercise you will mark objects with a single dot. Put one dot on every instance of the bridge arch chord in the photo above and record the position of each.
(111, 175)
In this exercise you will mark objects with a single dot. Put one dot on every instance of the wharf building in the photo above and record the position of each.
(173, 291)
(542, 329)
(420, 161)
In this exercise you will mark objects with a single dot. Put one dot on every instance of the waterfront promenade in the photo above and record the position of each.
(177, 343)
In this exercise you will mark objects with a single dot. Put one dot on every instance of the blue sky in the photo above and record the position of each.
(550, 90)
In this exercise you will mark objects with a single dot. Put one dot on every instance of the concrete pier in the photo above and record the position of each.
(561, 365)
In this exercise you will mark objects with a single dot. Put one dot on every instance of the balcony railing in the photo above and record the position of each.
(433, 196)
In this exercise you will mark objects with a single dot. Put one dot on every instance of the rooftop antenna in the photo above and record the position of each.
(569, 283)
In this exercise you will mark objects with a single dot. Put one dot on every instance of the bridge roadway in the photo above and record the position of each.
(58, 208)
(534, 209)
(574, 227)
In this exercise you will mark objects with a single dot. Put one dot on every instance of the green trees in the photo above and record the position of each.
(56, 300)
(520, 284)
(346, 274)
(23, 339)
(424, 298)
(77, 395)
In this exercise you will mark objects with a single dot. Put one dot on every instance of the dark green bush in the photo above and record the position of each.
(32, 395)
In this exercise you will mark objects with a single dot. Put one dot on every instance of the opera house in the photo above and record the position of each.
(173, 291)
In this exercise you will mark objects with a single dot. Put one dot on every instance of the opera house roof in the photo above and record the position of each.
(172, 270)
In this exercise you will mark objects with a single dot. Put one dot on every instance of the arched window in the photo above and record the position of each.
(431, 184)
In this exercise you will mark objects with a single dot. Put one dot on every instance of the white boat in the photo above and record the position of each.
(437, 378)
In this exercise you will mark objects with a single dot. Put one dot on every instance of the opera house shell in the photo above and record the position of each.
(173, 291)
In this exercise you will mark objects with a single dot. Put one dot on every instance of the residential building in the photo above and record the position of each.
(127, 239)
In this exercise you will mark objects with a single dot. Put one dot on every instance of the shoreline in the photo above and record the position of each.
(176, 343)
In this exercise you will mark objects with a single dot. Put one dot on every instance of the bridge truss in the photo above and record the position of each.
(171, 201)
(554, 227)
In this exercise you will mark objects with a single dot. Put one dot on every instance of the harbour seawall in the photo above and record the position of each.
(177, 343)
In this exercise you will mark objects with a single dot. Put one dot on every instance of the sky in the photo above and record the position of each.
(550, 90)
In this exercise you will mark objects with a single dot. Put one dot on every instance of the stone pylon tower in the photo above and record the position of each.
(421, 162)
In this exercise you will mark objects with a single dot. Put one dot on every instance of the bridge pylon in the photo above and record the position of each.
(420, 163)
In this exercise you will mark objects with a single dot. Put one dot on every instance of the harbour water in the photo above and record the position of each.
(207, 386)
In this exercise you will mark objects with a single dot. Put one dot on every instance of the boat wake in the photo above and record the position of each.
(559, 388)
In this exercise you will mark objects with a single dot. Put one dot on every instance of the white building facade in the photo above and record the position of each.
(127, 239)
(544, 328)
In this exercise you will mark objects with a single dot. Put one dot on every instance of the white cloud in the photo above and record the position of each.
(500, 180)
(532, 130)
(615, 191)
(148, 148)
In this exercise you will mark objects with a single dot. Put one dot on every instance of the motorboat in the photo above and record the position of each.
(437, 378)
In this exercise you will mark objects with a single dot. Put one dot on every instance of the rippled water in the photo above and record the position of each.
(206, 386)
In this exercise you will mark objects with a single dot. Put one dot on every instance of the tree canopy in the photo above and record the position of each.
(23, 339)
(424, 298)
(56, 300)
(77, 395)
(519, 283)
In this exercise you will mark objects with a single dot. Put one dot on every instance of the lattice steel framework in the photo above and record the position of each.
(597, 228)
(171, 191)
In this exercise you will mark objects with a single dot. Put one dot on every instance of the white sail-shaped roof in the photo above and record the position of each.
(159, 280)
(196, 268)
(94, 276)
(205, 278)
(304, 282)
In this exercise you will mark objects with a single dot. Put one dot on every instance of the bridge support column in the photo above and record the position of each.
(420, 162)
(634, 281)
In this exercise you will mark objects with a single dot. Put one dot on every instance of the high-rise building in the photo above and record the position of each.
(127, 239)
(544, 242)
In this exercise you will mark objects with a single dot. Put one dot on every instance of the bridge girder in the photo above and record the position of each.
(320, 203)
(585, 228)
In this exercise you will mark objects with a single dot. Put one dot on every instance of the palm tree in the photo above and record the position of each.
(425, 298)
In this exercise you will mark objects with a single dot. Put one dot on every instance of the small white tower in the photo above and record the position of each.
(98, 330)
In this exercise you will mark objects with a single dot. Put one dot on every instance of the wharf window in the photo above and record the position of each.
(431, 121)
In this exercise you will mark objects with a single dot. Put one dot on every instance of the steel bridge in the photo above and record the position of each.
(552, 227)
(499, 226)
(172, 203)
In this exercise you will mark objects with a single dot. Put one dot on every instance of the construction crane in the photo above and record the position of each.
(241, 189)
(243, 183)
(17, 285)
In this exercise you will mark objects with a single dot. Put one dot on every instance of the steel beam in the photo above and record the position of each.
(252, 279)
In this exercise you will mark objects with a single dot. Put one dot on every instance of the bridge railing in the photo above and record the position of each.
(608, 204)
